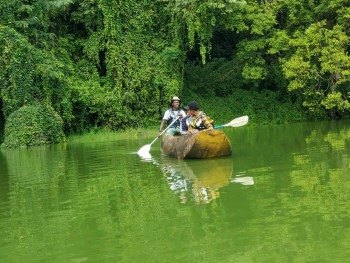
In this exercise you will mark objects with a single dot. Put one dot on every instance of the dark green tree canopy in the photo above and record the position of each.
(116, 64)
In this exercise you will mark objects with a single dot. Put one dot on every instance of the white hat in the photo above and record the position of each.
(175, 98)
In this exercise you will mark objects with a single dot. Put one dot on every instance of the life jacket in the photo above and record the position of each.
(173, 116)
(196, 122)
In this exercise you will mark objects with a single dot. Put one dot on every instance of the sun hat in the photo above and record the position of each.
(175, 98)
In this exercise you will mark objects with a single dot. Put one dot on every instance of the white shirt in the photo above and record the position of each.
(173, 113)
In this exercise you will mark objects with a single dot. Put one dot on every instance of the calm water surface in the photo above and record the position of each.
(283, 196)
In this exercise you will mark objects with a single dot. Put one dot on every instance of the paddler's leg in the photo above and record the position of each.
(173, 131)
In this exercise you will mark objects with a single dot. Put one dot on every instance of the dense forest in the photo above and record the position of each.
(67, 66)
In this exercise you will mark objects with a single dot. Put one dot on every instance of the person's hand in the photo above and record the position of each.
(193, 131)
(180, 115)
(159, 133)
(211, 131)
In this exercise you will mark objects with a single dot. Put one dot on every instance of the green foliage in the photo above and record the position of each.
(320, 66)
(216, 78)
(35, 124)
(261, 107)
(143, 68)
(116, 65)
(29, 74)
(2, 124)
(202, 18)
(98, 64)
(17, 71)
(335, 100)
(284, 44)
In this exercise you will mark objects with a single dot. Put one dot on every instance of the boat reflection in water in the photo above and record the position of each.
(200, 179)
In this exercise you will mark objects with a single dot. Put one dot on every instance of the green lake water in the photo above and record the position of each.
(283, 196)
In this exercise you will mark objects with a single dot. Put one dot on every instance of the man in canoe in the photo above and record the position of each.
(170, 115)
(199, 121)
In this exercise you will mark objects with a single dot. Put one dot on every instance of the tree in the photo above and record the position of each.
(319, 67)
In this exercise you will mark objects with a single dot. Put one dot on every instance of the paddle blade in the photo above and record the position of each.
(144, 151)
(238, 122)
(146, 156)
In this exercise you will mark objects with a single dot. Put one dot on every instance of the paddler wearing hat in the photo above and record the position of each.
(171, 115)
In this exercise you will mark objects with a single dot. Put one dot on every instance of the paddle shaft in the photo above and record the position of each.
(164, 130)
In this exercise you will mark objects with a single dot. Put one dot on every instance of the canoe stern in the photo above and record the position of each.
(210, 144)
(204, 144)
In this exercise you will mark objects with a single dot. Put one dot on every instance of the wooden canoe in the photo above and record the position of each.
(201, 145)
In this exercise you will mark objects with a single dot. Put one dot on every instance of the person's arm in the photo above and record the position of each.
(181, 114)
(161, 127)
(165, 119)
(207, 123)
(190, 130)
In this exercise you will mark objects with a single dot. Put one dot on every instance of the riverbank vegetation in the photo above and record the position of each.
(100, 135)
(116, 64)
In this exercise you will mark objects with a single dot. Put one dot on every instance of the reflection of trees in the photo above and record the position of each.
(304, 206)
(94, 203)
(34, 181)
(73, 203)
(4, 185)
(322, 174)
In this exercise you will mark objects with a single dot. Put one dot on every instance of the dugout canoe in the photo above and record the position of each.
(201, 145)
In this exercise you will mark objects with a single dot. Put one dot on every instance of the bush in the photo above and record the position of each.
(31, 125)
(224, 95)
(261, 107)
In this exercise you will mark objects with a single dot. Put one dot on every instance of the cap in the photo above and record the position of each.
(186, 107)
(193, 105)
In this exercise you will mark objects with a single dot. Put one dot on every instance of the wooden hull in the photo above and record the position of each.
(201, 145)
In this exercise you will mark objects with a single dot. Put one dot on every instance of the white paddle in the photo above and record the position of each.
(238, 122)
(144, 151)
